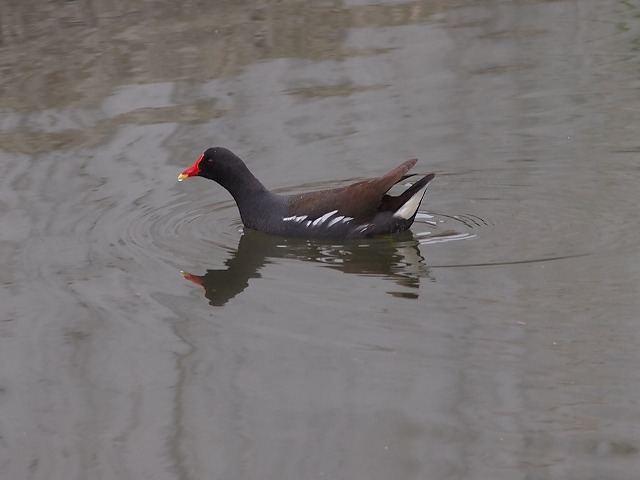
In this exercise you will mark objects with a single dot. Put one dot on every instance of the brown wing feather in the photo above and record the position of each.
(360, 200)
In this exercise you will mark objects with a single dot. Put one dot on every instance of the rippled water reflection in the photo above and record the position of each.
(394, 257)
(144, 333)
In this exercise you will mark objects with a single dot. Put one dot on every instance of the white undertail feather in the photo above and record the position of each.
(410, 207)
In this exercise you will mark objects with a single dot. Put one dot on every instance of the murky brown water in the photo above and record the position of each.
(499, 339)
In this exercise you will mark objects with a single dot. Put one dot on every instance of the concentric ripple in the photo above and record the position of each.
(179, 232)
(438, 228)
(191, 230)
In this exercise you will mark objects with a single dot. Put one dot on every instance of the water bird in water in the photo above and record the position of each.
(363, 209)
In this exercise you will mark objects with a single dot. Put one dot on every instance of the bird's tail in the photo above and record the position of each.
(406, 204)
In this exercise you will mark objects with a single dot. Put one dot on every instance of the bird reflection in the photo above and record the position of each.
(396, 257)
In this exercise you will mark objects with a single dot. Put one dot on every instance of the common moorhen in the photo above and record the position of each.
(363, 209)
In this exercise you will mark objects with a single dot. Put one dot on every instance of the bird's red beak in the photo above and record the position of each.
(192, 171)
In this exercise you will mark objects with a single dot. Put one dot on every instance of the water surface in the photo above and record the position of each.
(145, 334)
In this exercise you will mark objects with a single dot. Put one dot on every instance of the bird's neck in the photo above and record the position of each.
(254, 201)
(245, 186)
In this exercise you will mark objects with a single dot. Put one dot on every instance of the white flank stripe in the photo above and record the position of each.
(340, 219)
(335, 220)
(294, 218)
(323, 218)
(407, 210)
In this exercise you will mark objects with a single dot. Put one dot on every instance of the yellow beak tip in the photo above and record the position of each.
(182, 176)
